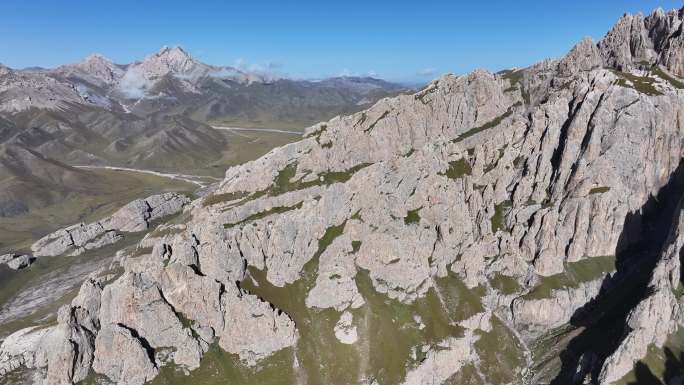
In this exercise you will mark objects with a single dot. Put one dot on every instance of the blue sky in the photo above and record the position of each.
(398, 40)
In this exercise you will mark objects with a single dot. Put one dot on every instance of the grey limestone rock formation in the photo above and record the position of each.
(638, 41)
(133, 368)
(442, 363)
(63, 353)
(16, 261)
(135, 216)
(516, 185)
(345, 331)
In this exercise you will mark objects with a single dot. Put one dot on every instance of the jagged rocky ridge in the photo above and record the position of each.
(133, 217)
(503, 183)
(136, 216)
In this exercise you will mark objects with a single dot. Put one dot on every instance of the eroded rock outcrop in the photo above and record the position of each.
(539, 315)
(637, 41)
(442, 363)
(135, 302)
(345, 331)
(62, 353)
(16, 261)
(154, 314)
(253, 328)
(135, 216)
(135, 367)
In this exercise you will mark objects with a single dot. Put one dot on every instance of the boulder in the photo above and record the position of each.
(16, 261)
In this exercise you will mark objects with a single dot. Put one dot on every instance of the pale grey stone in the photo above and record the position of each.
(17, 261)
(442, 363)
(475, 175)
(122, 357)
(252, 328)
(135, 216)
(345, 331)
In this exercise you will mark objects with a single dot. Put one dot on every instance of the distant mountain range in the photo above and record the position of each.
(173, 81)
(154, 114)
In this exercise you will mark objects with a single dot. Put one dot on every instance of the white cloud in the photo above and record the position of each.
(225, 73)
(427, 72)
(268, 71)
(346, 72)
(240, 63)
(133, 85)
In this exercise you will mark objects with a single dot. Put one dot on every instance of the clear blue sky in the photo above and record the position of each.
(399, 40)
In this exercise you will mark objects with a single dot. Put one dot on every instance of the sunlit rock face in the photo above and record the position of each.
(483, 229)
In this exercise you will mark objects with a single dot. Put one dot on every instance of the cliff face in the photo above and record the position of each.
(463, 233)
(637, 41)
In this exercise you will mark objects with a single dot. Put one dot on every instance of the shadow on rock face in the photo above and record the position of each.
(644, 376)
(681, 263)
(602, 321)
(674, 371)
(674, 368)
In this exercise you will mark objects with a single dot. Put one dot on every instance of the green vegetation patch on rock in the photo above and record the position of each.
(395, 331)
(515, 76)
(331, 233)
(283, 183)
(643, 84)
(460, 301)
(660, 366)
(505, 284)
(483, 127)
(468, 375)
(390, 333)
(220, 198)
(599, 190)
(356, 246)
(140, 251)
(357, 216)
(501, 354)
(498, 219)
(412, 216)
(221, 368)
(321, 358)
(317, 133)
(673, 82)
(264, 214)
(160, 232)
(458, 169)
(372, 126)
(586, 270)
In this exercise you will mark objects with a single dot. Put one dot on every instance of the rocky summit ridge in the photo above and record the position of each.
(522, 227)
